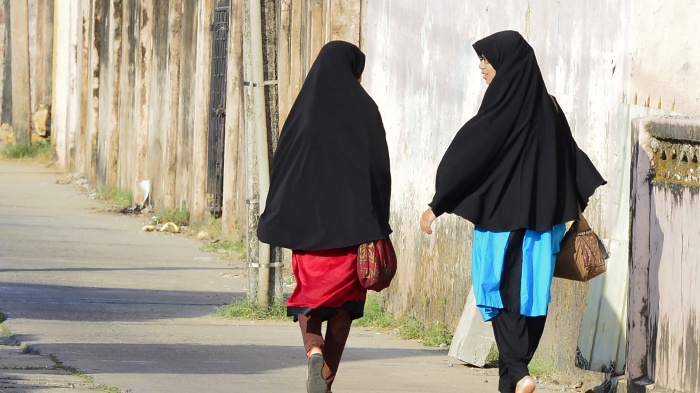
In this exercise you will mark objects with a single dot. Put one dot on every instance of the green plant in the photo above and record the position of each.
(86, 378)
(248, 309)
(116, 199)
(541, 368)
(4, 331)
(492, 357)
(375, 316)
(235, 250)
(230, 248)
(179, 216)
(38, 150)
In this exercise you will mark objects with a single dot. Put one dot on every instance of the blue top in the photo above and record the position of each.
(539, 255)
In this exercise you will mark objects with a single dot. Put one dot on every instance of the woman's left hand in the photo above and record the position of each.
(426, 220)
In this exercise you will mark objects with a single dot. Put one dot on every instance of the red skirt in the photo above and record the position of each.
(326, 281)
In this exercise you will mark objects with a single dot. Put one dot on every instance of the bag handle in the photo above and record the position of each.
(581, 224)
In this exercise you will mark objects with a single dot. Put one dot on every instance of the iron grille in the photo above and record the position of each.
(217, 108)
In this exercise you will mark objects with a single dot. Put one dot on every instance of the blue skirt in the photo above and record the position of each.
(519, 276)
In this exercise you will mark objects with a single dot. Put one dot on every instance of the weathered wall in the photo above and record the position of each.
(664, 310)
(5, 69)
(40, 51)
(19, 57)
(664, 55)
(304, 27)
(423, 74)
(118, 62)
(186, 130)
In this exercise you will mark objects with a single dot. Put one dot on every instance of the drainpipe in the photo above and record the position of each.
(260, 127)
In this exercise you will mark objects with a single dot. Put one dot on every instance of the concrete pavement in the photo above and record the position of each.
(133, 310)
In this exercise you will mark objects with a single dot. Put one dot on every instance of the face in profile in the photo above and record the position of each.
(487, 70)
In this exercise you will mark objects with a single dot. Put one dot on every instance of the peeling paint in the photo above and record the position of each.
(664, 338)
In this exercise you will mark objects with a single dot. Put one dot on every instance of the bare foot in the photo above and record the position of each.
(525, 385)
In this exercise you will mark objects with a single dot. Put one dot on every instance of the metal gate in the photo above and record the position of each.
(217, 108)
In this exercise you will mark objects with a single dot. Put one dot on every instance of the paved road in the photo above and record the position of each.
(133, 309)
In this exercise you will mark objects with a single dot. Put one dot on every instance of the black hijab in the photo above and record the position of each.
(514, 164)
(330, 184)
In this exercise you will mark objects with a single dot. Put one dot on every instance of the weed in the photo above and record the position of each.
(234, 250)
(4, 331)
(375, 316)
(89, 379)
(247, 309)
(179, 216)
(39, 150)
(3, 318)
(116, 199)
(106, 388)
(492, 357)
(541, 368)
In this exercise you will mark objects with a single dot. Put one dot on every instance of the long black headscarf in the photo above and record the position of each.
(330, 184)
(515, 164)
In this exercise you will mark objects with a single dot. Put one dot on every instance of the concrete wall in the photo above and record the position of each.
(597, 56)
(664, 306)
(664, 55)
(423, 74)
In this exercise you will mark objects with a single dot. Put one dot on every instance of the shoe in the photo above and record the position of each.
(315, 383)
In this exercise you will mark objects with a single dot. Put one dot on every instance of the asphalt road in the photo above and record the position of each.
(133, 309)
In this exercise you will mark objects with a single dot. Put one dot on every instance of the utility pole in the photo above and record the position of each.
(256, 138)
(21, 93)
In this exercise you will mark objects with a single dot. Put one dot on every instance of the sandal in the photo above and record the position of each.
(315, 383)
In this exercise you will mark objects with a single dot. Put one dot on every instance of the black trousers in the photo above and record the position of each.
(517, 336)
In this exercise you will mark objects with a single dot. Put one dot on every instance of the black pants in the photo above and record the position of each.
(517, 336)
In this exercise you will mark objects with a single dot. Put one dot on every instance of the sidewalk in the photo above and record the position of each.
(133, 310)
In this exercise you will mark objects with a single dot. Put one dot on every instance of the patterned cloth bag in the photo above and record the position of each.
(582, 254)
(376, 264)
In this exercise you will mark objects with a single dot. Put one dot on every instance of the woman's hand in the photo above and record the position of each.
(426, 220)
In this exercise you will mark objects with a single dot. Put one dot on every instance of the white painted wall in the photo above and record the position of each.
(595, 56)
(664, 54)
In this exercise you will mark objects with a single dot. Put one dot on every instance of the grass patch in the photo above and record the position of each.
(212, 231)
(179, 216)
(88, 379)
(375, 316)
(492, 357)
(234, 250)
(4, 330)
(39, 150)
(541, 368)
(248, 309)
(116, 199)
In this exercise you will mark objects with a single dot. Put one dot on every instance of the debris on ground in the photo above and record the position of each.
(169, 227)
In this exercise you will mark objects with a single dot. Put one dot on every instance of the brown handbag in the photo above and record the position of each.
(376, 264)
(581, 254)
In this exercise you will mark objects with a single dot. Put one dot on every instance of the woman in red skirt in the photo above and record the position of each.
(329, 192)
